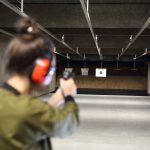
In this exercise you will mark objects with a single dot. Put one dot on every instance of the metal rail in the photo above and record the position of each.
(145, 53)
(12, 35)
(90, 25)
(7, 33)
(147, 23)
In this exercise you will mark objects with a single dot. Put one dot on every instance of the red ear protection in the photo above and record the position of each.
(40, 70)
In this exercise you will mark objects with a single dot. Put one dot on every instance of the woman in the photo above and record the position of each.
(25, 122)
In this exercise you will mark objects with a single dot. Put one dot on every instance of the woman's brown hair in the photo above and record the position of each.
(26, 47)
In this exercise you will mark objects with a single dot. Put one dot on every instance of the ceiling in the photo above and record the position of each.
(113, 21)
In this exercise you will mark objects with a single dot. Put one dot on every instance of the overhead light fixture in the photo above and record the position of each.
(54, 49)
(63, 38)
(134, 57)
(131, 38)
(78, 50)
(68, 57)
(145, 51)
(96, 37)
(117, 65)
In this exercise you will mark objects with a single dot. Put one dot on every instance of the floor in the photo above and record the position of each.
(110, 123)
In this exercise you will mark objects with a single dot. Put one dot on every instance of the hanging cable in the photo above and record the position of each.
(134, 65)
(68, 64)
(101, 64)
(117, 65)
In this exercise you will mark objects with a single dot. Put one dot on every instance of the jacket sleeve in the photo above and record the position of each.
(52, 121)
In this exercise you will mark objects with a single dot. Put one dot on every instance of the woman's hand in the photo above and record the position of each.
(68, 87)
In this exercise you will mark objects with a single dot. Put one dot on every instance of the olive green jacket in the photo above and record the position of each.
(24, 120)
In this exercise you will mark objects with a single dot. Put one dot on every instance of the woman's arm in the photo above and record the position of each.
(67, 88)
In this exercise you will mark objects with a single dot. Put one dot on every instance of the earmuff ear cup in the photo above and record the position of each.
(40, 70)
